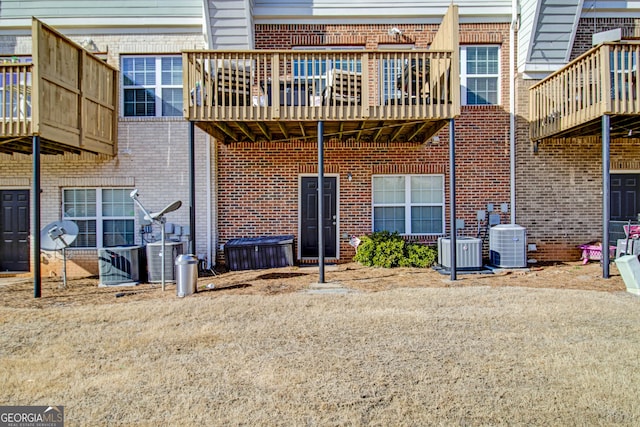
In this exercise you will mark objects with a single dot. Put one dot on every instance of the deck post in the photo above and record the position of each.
(452, 195)
(192, 190)
(606, 200)
(35, 218)
(320, 200)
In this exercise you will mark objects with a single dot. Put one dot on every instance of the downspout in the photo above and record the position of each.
(206, 25)
(210, 261)
(512, 108)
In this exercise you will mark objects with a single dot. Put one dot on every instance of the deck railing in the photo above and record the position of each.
(604, 80)
(296, 85)
(15, 98)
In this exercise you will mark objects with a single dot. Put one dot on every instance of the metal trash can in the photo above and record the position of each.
(186, 275)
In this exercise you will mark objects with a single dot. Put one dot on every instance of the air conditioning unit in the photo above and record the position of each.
(121, 265)
(154, 260)
(508, 246)
(468, 253)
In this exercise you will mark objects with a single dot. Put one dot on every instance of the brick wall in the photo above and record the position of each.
(559, 188)
(153, 157)
(258, 182)
(586, 27)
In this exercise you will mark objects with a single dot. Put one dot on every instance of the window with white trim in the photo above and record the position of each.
(408, 204)
(314, 72)
(480, 75)
(15, 90)
(105, 216)
(152, 86)
(390, 70)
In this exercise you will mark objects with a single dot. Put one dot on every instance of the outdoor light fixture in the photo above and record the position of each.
(158, 217)
(349, 176)
(395, 31)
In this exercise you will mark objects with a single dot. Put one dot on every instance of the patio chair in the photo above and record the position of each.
(343, 88)
(233, 84)
(414, 82)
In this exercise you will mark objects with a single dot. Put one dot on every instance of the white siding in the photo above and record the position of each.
(110, 13)
(231, 24)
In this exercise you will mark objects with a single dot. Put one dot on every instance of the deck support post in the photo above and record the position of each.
(452, 195)
(320, 201)
(606, 197)
(192, 190)
(35, 218)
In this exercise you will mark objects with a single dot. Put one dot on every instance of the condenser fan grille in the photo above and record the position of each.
(508, 246)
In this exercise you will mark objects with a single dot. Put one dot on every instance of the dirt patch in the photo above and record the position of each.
(85, 291)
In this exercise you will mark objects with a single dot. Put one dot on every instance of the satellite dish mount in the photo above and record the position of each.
(57, 236)
(159, 218)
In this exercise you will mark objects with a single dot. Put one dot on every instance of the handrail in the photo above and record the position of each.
(15, 99)
(604, 80)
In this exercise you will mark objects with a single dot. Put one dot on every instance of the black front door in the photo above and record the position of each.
(625, 189)
(14, 226)
(309, 217)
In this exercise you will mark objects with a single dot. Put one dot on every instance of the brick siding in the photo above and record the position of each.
(559, 188)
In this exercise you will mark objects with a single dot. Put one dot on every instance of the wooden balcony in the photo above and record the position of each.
(64, 95)
(571, 102)
(390, 95)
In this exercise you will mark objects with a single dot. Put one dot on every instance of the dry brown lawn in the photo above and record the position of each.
(557, 345)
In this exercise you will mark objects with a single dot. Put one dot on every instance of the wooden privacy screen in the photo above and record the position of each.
(74, 96)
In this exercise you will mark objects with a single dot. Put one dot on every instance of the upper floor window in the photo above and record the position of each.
(15, 88)
(390, 70)
(152, 86)
(314, 72)
(480, 75)
(105, 216)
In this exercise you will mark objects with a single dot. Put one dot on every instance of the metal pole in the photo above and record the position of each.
(162, 222)
(192, 190)
(64, 265)
(606, 199)
(320, 201)
(35, 218)
(452, 195)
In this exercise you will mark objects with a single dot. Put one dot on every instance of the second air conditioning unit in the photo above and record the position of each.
(122, 265)
(154, 260)
(508, 246)
(468, 253)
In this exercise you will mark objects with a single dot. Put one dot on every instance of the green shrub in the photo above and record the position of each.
(385, 249)
(418, 255)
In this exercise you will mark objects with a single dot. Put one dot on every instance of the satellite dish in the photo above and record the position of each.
(58, 235)
(170, 208)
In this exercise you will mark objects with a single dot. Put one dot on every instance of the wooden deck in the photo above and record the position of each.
(572, 101)
(362, 94)
(65, 95)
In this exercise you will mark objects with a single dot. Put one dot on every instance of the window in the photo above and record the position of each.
(315, 71)
(480, 74)
(408, 204)
(105, 217)
(15, 90)
(152, 86)
(390, 69)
